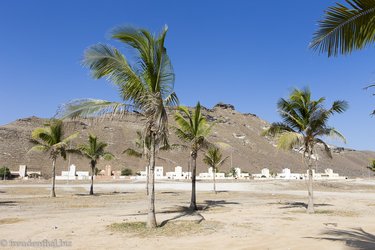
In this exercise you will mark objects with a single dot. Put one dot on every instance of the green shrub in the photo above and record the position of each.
(126, 172)
(4, 173)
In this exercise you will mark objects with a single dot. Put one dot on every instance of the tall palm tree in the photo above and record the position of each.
(214, 159)
(304, 124)
(346, 28)
(193, 129)
(50, 139)
(145, 86)
(94, 150)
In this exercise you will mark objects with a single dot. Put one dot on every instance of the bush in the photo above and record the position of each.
(4, 173)
(97, 171)
(126, 172)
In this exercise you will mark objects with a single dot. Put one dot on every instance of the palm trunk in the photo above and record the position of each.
(310, 205)
(151, 219)
(92, 178)
(53, 194)
(147, 177)
(214, 171)
(193, 160)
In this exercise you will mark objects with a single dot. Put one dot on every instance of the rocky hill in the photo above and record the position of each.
(237, 134)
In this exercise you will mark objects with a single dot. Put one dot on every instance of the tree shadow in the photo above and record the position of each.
(101, 194)
(8, 203)
(183, 211)
(170, 192)
(286, 205)
(207, 204)
(356, 238)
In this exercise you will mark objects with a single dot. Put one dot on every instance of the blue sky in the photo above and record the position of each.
(247, 53)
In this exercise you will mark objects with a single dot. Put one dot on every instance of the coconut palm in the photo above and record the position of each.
(346, 28)
(146, 86)
(94, 150)
(304, 124)
(214, 159)
(192, 128)
(50, 139)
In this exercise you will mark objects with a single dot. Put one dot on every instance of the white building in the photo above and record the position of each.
(241, 175)
(72, 174)
(159, 173)
(327, 175)
(210, 175)
(265, 173)
(287, 175)
(178, 174)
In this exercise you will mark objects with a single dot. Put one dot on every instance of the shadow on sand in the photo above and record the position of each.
(286, 205)
(207, 204)
(356, 238)
(186, 211)
(8, 203)
(101, 194)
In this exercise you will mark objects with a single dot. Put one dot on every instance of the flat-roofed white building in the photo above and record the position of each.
(178, 174)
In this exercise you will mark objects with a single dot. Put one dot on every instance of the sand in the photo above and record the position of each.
(242, 215)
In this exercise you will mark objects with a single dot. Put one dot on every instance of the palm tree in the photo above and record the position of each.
(146, 86)
(50, 139)
(94, 150)
(304, 124)
(346, 28)
(193, 129)
(213, 158)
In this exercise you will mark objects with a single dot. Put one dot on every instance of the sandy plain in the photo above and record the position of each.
(242, 215)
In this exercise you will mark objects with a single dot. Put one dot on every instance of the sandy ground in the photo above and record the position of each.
(242, 215)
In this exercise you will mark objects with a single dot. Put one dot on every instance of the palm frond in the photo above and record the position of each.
(345, 29)
(107, 61)
(339, 107)
(40, 148)
(333, 133)
(326, 147)
(275, 129)
(288, 140)
(132, 152)
(108, 156)
(86, 108)
(70, 137)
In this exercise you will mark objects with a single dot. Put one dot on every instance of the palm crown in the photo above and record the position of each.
(214, 158)
(304, 121)
(50, 139)
(345, 29)
(95, 149)
(192, 127)
(147, 85)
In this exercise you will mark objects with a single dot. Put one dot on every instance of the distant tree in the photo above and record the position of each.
(233, 172)
(192, 128)
(4, 173)
(304, 124)
(94, 150)
(50, 139)
(126, 172)
(346, 28)
(214, 159)
(371, 166)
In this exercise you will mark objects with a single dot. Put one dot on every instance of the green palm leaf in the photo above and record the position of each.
(345, 29)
